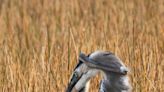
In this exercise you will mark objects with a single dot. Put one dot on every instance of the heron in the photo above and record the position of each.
(114, 72)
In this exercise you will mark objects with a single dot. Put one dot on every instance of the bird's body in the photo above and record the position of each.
(114, 73)
(115, 83)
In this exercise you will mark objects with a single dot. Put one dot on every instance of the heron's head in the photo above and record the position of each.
(79, 81)
(90, 65)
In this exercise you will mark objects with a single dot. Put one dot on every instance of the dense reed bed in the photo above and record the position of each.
(40, 41)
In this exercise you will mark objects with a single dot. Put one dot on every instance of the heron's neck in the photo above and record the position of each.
(112, 83)
(115, 83)
(86, 87)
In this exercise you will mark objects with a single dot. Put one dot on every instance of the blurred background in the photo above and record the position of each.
(40, 41)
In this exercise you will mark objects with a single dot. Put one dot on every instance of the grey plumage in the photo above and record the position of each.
(115, 77)
(115, 83)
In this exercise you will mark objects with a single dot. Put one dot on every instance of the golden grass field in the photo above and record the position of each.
(40, 41)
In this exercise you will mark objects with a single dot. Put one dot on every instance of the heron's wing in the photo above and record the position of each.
(104, 61)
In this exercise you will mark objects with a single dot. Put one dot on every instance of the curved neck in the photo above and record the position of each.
(86, 87)
(112, 82)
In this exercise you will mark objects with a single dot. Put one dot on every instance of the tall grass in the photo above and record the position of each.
(40, 41)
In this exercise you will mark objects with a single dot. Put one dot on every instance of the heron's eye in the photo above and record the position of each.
(74, 78)
(75, 74)
(73, 81)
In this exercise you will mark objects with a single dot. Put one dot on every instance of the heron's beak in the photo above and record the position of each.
(75, 78)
